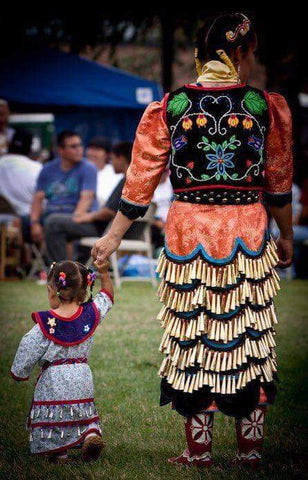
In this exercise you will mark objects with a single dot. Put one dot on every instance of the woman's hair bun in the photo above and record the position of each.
(226, 32)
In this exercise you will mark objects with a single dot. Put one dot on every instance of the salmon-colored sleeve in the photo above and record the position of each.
(149, 159)
(279, 157)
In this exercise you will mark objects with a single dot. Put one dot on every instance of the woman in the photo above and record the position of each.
(230, 148)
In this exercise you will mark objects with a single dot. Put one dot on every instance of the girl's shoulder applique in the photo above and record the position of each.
(68, 331)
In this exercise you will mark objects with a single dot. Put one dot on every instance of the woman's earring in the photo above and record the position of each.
(238, 73)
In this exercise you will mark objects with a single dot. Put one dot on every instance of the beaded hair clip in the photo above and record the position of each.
(242, 29)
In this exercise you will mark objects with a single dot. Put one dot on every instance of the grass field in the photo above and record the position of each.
(140, 435)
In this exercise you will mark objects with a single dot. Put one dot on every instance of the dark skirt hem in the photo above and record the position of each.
(238, 405)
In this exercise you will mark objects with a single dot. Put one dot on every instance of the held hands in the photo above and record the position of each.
(104, 247)
(285, 251)
(102, 267)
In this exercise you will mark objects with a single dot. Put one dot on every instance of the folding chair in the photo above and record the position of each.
(143, 244)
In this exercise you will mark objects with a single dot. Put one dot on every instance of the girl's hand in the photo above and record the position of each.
(285, 252)
(104, 247)
(102, 267)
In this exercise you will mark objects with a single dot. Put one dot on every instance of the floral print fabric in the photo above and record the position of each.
(279, 164)
(215, 227)
(63, 407)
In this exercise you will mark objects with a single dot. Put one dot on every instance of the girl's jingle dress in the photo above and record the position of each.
(63, 411)
(228, 149)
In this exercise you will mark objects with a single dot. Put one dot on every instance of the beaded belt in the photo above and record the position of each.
(64, 361)
(219, 197)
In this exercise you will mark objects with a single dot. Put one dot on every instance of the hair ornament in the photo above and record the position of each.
(242, 29)
(91, 278)
(52, 265)
(227, 61)
(62, 279)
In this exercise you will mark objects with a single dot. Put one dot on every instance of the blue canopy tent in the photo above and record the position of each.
(85, 96)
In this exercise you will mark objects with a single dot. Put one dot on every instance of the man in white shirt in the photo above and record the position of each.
(98, 153)
(162, 198)
(18, 173)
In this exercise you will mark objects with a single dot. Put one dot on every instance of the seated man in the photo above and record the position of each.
(18, 173)
(91, 224)
(66, 185)
(6, 132)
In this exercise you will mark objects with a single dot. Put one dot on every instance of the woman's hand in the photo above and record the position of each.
(285, 251)
(104, 247)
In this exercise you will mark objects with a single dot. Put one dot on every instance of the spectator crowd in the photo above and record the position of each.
(72, 196)
(77, 193)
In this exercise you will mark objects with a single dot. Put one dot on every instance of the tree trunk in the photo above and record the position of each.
(167, 27)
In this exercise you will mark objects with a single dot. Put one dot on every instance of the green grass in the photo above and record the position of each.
(140, 435)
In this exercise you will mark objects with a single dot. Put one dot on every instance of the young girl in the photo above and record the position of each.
(63, 414)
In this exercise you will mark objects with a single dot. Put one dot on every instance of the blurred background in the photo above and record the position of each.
(92, 71)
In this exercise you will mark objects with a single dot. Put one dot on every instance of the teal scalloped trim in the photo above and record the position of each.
(199, 250)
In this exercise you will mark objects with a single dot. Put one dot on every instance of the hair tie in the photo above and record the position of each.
(52, 265)
(91, 278)
(62, 277)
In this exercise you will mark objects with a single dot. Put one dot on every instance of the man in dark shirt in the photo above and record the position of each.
(89, 224)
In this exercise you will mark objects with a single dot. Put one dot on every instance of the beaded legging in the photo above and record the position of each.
(250, 433)
(199, 436)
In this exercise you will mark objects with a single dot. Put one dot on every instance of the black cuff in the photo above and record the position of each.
(278, 199)
(132, 211)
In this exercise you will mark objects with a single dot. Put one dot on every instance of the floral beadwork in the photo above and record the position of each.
(233, 121)
(255, 143)
(202, 428)
(187, 123)
(255, 103)
(180, 142)
(52, 323)
(201, 120)
(220, 160)
(247, 123)
(252, 427)
(217, 115)
(178, 104)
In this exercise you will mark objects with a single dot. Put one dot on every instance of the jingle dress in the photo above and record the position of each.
(229, 149)
(63, 411)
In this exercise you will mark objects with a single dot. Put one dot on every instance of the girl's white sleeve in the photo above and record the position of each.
(32, 347)
(103, 302)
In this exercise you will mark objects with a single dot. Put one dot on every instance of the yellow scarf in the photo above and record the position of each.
(216, 71)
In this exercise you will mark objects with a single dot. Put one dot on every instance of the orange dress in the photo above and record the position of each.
(209, 247)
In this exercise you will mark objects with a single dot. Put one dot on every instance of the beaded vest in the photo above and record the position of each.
(217, 143)
(72, 331)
